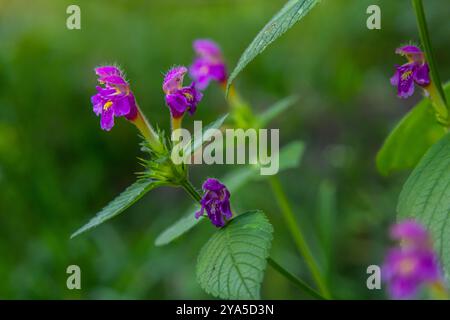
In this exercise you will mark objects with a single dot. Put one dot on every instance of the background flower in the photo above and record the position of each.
(208, 65)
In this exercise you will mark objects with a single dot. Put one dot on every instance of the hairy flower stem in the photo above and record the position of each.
(147, 130)
(435, 89)
(296, 281)
(190, 189)
(438, 104)
(176, 123)
(296, 233)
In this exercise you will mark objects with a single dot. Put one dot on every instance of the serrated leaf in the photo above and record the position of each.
(231, 264)
(132, 194)
(273, 111)
(290, 156)
(198, 140)
(426, 197)
(411, 138)
(291, 13)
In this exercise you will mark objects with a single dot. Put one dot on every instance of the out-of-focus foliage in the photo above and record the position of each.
(411, 138)
(57, 168)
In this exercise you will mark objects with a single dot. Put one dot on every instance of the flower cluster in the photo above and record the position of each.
(413, 263)
(208, 65)
(416, 70)
(216, 202)
(180, 99)
(114, 98)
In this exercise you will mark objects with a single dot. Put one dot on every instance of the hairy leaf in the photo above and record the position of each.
(426, 197)
(132, 194)
(291, 13)
(231, 264)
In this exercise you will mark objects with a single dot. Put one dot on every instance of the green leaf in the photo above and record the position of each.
(132, 194)
(290, 156)
(291, 13)
(198, 140)
(411, 138)
(231, 264)
(426, 197)
(276, 109)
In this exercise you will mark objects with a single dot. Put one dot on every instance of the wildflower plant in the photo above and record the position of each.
(420, 141)
(232, 262)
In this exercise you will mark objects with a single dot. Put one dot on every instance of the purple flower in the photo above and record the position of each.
(415, 71)
(410, 234)
(208, 65)
(180, 99)
(114, 99)
(413, 263)
(216, 202)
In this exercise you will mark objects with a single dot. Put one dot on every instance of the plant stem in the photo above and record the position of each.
(296, 233)
(147, 130)
(425, 39)
(296, 281)
(189, 188)
(176, 123)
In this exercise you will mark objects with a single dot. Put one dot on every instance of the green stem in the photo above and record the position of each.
(425, 39)
(146, 129)
(296, 233)
(189, 187)
(296, 281)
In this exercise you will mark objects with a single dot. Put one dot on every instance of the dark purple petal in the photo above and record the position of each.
(422, 75)
(405, 87)
(396, 77)
(114, 81)
(177, 104)
(97, 102)
(200, 212)
(182, 100)
(107, 119)
(173, 79)
(105, 71)
(412, 53)
(114, 99)
(408, 49)
(216, 202)
(212, 184)
(132, 114)
(121, 106)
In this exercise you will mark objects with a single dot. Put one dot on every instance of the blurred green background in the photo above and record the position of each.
(57, 168)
